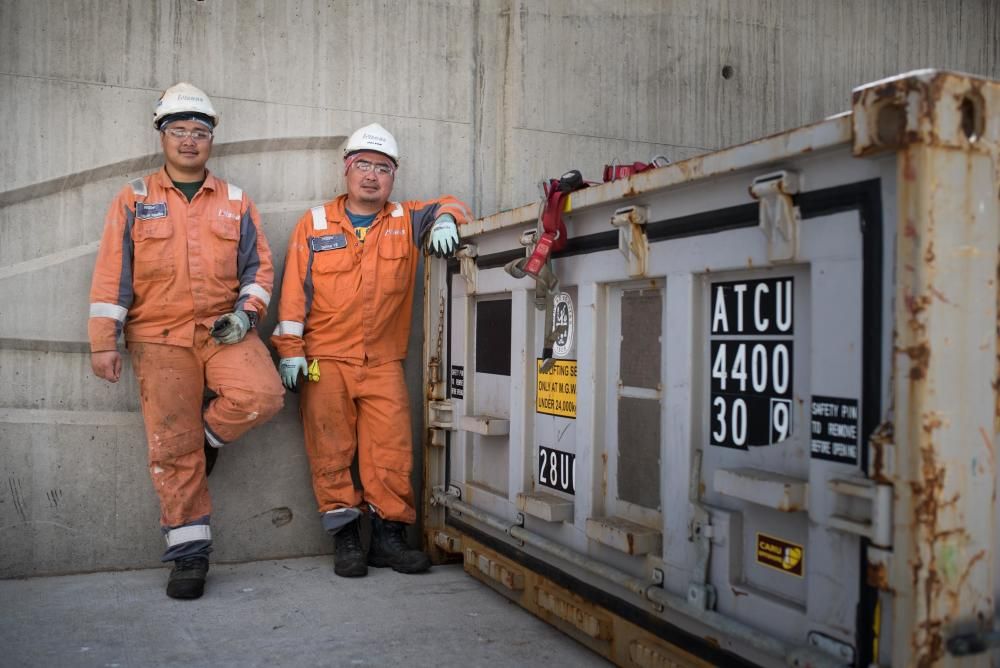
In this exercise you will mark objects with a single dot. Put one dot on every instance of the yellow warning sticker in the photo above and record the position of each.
(780, 554)
(556, 389)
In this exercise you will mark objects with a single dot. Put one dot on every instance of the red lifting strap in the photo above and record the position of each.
(554, 237)
(552, 222)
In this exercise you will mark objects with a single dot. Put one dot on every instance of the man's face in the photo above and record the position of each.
(186, 154)
(371, 187)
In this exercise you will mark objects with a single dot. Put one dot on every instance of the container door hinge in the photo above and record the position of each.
(658, 580)
(467, 255)
(631, 223)
(779, 217)
(440, 419)
(863, 508)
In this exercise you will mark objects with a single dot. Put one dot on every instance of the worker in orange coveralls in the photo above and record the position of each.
(346, 300)
(185, 270)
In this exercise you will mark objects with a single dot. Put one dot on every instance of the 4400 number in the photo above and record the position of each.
(751, 392)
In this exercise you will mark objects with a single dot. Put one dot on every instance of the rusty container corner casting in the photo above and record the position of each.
(748, 415)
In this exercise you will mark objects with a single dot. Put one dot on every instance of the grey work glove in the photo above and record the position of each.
(443, 238)
(290, 368)
(232, 327)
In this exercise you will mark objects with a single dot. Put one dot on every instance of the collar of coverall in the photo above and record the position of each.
(211, 182)
(340, 209)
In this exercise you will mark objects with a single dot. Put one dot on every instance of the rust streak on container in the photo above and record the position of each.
(927, 641)
(920, 357)
(604, 474)
(877, 575)
(955, 594)
(937, 293)
(881, 438)
(929, 255)
(988, 442)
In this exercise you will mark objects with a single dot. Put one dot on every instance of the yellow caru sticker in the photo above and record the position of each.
(556, 389)
(780, 554)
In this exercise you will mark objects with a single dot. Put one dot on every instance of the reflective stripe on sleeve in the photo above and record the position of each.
(138, 187)
(104, 310)
(456, 208)
(187, 534)
(319, 217)
(289, 327)
(235, 193)
(256, 291)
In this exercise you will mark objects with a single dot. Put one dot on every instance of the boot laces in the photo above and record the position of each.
(190, 563)
(395, 536)
(349, 538)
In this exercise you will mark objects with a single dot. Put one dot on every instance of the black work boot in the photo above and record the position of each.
(211, 454)
(348, 555)
(389, 548)
(187, 579)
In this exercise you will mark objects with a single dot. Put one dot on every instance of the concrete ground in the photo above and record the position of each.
(292, 612)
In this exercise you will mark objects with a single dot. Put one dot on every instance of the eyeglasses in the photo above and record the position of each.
(380, 168)
(181, 133)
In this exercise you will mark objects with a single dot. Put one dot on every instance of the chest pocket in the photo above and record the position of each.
(154, 256)
(394, 270)
(333, 262)
(225, 243)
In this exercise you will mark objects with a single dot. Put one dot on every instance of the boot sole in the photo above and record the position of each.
(186, 593)
(352, 572)
(384, 563)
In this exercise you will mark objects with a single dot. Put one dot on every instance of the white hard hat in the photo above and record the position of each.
(183, 98)
(373, 138)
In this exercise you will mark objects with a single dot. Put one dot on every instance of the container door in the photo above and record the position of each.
(781, 376)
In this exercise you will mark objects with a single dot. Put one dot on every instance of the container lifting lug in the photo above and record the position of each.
(779, 217)
(631, 223)
(466, 256)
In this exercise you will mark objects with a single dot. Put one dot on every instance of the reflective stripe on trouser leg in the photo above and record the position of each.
(190, 540)
(335, 520)
(329, 422)
(247, 384)
(171, 382)
(385, 445)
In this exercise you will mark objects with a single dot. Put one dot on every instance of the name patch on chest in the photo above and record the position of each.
(145, 211)
(327, 242)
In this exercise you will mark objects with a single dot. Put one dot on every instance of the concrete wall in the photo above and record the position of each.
(486, 98)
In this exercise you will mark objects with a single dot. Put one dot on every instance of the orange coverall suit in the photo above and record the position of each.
(166, 270)
(348, 305)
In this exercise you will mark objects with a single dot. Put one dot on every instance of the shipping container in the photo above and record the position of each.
(747, 415)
